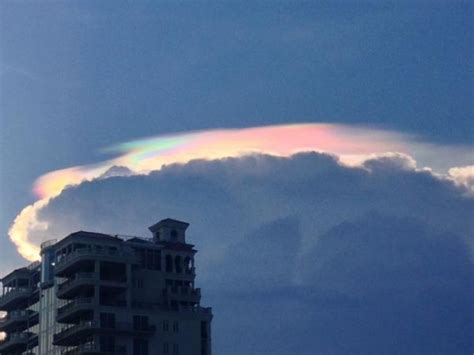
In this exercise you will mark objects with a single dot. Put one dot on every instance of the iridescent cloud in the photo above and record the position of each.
(352, 145)
(145, 155)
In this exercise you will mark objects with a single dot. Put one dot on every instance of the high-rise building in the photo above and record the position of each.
(95, 293)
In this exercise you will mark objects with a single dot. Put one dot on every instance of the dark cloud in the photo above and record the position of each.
(303, 255)
(412, 286)
(265, 258)
(379, 285)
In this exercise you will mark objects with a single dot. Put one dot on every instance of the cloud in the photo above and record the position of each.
(377, 285)
(23, 224)
(280, 188)
(353, 146)
(335, 245)
(463, 176)
(304, 253)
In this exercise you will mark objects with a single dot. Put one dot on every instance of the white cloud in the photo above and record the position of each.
(256, 187)
(355, 147)
(289, 237)
(463, 176)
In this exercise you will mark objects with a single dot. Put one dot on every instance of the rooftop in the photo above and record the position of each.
(168, 222)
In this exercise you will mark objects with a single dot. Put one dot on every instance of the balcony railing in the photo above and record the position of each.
(77, 302)
(14, 294)
(93, 253)
(206, 310)
(15, 318)
(183, 292)
(92, 348)
(190, 291)
(77, 279)
(15, 315)
(72, 330)
(19, 337)
(16, 341)
(130, 327)
(16, 290)
(182, 271)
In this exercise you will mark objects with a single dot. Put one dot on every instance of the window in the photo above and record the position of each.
(157, 259)
(188, 265)
(166, 325)
(177, 263)
(140, 322)
(140, 346)
(204, 347)
(169, 263)
(204, 334)
(174, 234)
(107, 320)
(137, 283)
(175, 349)
(175, 326)
(149, 259)
(141, 257)
(107, 343)
(166, 348)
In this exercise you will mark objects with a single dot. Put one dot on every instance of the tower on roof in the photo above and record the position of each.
(169, 230)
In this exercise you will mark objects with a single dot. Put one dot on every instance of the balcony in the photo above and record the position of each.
(129, 328)
(206, 310)
(183, 274)
(18, 320)
(18, 342)
(94, 349)
(80, 280)
(70, 262)
(15, 297)
(75, 308)
(182, 293)
(75, 334)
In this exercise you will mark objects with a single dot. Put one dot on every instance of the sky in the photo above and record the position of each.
(106, 90)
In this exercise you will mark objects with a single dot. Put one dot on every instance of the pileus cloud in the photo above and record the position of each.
(351, 145)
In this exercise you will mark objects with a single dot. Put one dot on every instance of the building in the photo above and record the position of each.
(95, 293)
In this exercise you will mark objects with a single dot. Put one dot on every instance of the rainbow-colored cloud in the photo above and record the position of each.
(145, 155)
(352, 145)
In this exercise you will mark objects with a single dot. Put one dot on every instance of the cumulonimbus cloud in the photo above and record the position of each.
(306, 245)
(351, 145)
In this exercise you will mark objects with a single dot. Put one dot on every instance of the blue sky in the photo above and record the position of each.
(78, 76)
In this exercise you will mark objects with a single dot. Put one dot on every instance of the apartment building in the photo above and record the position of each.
(94, 293)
